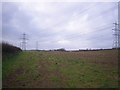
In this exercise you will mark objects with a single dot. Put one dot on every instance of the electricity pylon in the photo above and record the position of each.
(24, 41)
(116, 36)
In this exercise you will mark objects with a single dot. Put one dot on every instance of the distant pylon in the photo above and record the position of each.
(36, 45)
(119, 24)
(116, 36)
(24, 41)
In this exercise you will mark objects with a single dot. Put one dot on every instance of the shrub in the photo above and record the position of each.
(61, 49)
(8, 48)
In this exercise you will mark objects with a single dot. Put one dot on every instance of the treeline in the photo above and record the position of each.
(8, 48)
(61, 49)
(64, 50)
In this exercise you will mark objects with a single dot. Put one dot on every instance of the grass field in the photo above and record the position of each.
(85, 69)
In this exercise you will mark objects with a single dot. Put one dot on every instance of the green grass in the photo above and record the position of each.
(60, 69)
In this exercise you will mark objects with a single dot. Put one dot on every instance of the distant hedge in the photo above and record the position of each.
(61, 49)
(8, 48)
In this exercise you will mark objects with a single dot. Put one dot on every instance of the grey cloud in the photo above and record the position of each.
(49, 28)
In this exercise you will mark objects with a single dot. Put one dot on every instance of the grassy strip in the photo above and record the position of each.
(59, 70)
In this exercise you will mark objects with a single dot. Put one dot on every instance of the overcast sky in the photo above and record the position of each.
(69, 25)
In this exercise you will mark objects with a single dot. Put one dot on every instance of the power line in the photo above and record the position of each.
(82, 35)
(82, 12)
(85, 33)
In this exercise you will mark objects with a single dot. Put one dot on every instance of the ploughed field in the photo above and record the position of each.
(55, 69)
